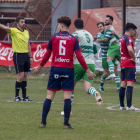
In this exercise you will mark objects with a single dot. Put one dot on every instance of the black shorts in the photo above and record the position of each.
(21, 62)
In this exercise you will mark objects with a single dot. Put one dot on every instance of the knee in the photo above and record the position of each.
(20, 78)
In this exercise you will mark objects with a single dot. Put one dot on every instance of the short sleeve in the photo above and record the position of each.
(128, 41)
(76, 47)
(108, 33)
(75, 34)
(49, 47)
(13, 32)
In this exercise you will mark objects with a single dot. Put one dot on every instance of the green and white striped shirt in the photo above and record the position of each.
(108, 34)
(88, 48)
(104, 46)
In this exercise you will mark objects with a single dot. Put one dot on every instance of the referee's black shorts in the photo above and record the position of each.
(21, 62)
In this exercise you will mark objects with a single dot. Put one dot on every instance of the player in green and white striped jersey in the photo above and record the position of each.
(104, 50)
(88, 49)
(113, 50)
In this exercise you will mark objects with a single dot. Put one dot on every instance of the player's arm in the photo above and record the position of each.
(30, 53)
(131, 52)
(116, 35)
(45, 58)
(5, 28)
(130, 49)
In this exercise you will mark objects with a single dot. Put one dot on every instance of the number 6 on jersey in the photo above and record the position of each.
(62, 49)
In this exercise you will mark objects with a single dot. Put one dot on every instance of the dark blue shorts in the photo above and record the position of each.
(128, 74)
(61, 79)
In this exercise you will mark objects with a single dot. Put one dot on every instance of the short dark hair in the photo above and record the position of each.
(79, 24)
(64, 20)
(100, 23)
(130, 26)
(110, 17)
(18, 18)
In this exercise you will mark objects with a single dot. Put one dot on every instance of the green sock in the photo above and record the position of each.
(111, 67)
(117, 79)
(72, 95)
(92, 91)
(102, 81)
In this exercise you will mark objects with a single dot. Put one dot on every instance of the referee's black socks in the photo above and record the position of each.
(17, 88)
(24, 87)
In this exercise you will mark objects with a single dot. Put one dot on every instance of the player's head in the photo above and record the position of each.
(63, 23)
(20, 21)
(131, 29)
(108, 20)
(79, 24)
(100, 26)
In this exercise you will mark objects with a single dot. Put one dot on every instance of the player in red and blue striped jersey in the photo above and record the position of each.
(128, 65)
(62, 45)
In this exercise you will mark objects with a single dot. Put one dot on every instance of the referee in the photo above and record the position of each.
(22, 56)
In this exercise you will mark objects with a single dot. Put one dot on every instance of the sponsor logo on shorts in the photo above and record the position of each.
(56, 76)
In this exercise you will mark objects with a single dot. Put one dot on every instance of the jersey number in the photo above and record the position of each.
(62, 49)
(88, 38)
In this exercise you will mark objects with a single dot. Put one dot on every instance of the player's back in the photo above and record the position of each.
(125, 56)
(63, 46)
(86, 44)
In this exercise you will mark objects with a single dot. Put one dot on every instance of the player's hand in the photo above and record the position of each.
(98, 40)
(135, 36)
(107, 27)
(31, 60)
(95, 38)
(90, 74)
(36, 70)
(113, 32)
(133, 60)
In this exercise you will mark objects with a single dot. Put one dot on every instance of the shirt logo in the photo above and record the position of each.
(27, 39)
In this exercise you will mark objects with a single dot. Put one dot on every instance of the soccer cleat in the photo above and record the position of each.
(131, 108)
(17, 99)
(62, 113)
(111, 76)
(42, 125)
(101, 89)
(98, 98)
(122, 108)
(67, 126)
(26, 99)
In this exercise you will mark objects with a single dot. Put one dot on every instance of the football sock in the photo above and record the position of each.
(72, 95)
(102, 81)
(17, 88)
(24, 87)
(46, 109)
(121, 96)
(117, 79)
(111, 67)
(92, 91)
(129, 95)
(67, 110)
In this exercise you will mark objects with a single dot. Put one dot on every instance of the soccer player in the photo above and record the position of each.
(128, 65)
(62, 45)
(113, 50)
(22, 56)
(104, 49)
(88, 49)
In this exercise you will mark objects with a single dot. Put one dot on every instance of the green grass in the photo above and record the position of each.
(20, 121)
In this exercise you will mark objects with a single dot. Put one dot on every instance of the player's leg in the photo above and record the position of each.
(122, 89)
(113, 52)
(88, 85)
(54, 84)
(105, 74)
(130, 78)
(67, 87)
(46, 107)
(117, 77)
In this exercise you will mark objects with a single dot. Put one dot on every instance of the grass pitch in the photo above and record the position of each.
(20, 121)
